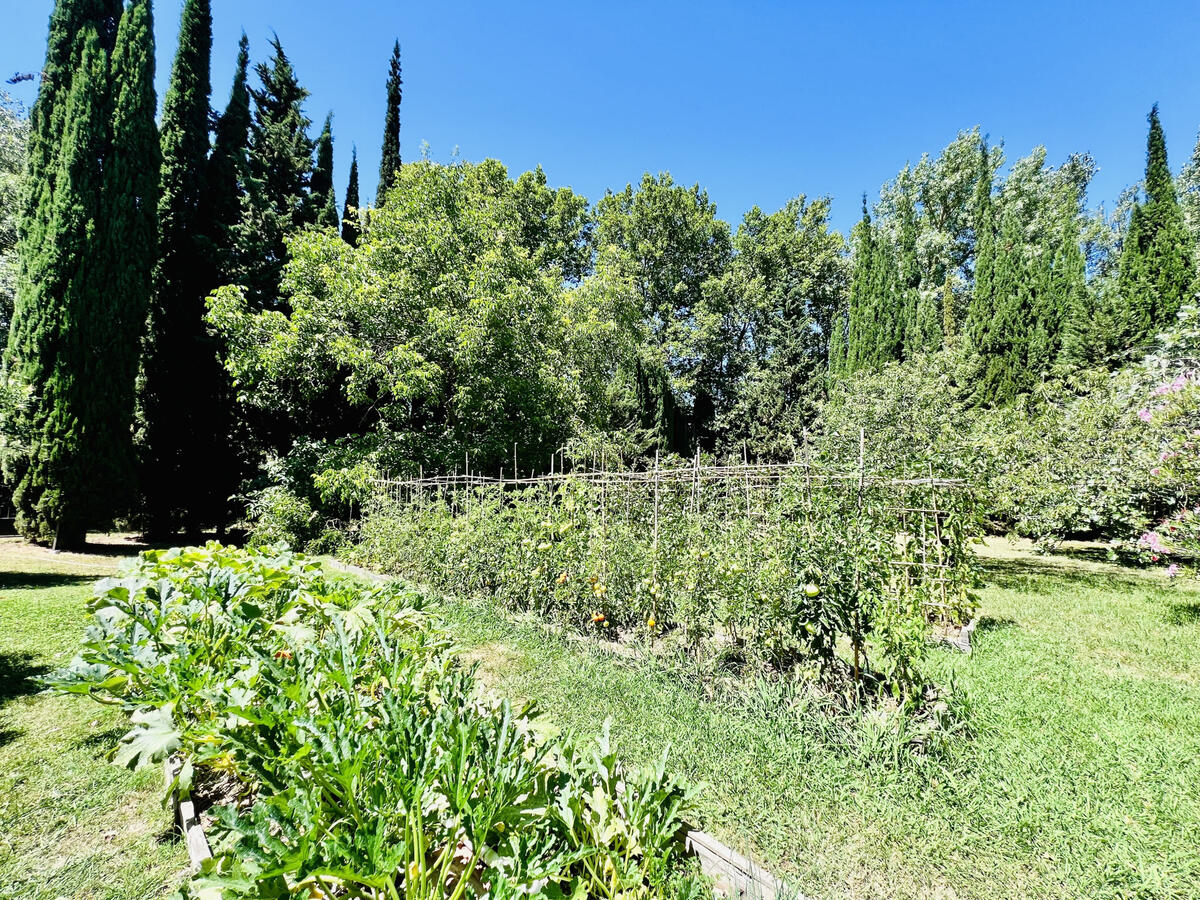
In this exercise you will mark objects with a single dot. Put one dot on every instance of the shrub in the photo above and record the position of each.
(277, 516)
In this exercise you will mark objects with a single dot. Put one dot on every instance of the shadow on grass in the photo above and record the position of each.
(1183, 613)
(16, 671)
(994, 623)
(1014, 572)
(100, 742)
(16, 581)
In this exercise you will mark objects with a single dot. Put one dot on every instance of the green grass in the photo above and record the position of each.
(71, 824)
(1080, 779)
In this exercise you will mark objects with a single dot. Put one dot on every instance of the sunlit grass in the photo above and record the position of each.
(71, 824)
(1079, 781)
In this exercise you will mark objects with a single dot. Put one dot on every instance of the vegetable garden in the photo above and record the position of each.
(798, 568)
(364, 763)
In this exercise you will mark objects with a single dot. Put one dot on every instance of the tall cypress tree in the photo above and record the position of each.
(1156, 272)
(132, 180)
(86, 250)
(227, 439)
(226, 175)
(278, 176)
(390, 160)
(980, 310)
(859, 316)
(323, 199)
(350, 229)
(174, 396)
(1004, 337)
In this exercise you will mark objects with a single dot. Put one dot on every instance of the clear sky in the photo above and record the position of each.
(756, 101)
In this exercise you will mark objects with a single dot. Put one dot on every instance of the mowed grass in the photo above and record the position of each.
(71, 824)
(1081, 778)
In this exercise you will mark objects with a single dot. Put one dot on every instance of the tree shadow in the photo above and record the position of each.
(16, 581)
(1183, 613)
(100, 742)
(16, 673)
(994, 623)
(17, 669)
(1013, 572)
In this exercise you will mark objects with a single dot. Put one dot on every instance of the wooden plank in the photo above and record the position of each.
(735, 875)
(187, 819)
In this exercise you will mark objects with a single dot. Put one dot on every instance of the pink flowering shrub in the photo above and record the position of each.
(1174, 409)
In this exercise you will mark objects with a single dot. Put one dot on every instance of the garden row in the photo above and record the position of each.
(364, 762)
(824, 575)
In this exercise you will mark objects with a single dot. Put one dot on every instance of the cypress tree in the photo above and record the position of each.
(859, 317)
(889, 305)
(981, 307)
(87, 246)
(1004, 338)
(132, 180)
(1156, 272)
(174, 398)
(225, 176)
(323, 199)
(226, 438)
(390, 160)
(277, 179)
(949, 319)
(1081, 341)
(350, 229)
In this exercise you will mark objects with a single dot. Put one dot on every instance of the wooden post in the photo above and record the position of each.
(862, 454)
(654, 562)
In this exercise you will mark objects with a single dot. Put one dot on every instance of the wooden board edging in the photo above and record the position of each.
(186, 818)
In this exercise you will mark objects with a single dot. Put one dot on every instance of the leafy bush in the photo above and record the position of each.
(277, 516)
(716, 568)
(371, 766)
(1070, 459)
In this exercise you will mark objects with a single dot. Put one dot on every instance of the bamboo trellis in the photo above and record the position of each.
(920, 509)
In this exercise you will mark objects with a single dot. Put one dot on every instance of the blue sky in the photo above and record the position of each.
(756, 101)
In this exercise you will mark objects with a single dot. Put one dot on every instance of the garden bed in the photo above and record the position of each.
(733, 875)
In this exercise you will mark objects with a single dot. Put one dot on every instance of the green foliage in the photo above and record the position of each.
(14, 137)
(670, 245)
(279, 517)
(181, 387)
(450, 339)
(83, 289)
(228, 165)
(277, 177)
(350, 212)
(777, 304)
(323, 198)
(372, 762)
(389, 159)
(714, 568)
(1157, 270)
(1072, 458)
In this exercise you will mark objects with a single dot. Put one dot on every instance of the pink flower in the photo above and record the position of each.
(1145, 415)
(1151, 541)
(1172, 570)
(1156, 470)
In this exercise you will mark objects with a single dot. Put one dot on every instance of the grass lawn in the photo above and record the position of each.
(71, 824)
(1082, 779)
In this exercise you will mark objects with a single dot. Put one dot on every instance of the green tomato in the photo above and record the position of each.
(811, 590)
